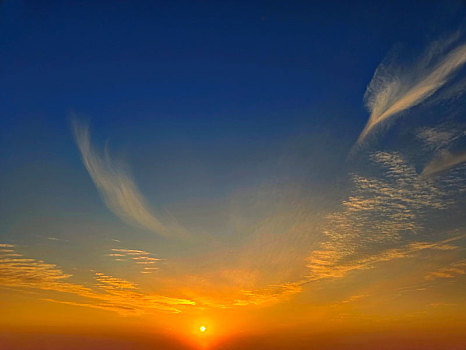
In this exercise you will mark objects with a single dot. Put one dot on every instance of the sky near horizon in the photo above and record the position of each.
(278, 172)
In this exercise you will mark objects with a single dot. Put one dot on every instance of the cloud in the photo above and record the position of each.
(378, 222)
(19, 272)
(131, 251)
(354, 298)
(122, 310)
(436, 138)
(110, 293)
(109, 282)
(393, 90)
(455, 269)
(443, 161)
(268, 295)
(386, 207)
(137, 256)
(116, 187)
(378, 219)
(215, 293)
(330, 264)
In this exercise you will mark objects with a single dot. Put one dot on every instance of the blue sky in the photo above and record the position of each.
(200, 80)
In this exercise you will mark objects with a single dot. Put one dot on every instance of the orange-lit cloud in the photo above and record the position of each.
(268, 295)
(451, 271)
(331, 264)
(139, 257)
(115, 294)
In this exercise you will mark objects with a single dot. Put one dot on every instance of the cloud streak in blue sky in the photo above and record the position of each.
(393, 90)
(117, 188)
(443, 161)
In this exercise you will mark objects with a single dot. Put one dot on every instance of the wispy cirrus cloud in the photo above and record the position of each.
(437, 138)
(394, 89)
(117, 188)
(443, 161)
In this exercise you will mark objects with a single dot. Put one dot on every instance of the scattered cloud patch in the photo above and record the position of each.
(436, 138)
(137, 256)
(110, 293)
(451, 271)
(380, 218)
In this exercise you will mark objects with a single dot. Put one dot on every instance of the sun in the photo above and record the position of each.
(202, 329)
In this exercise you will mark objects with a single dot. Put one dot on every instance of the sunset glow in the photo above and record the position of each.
(235, 175)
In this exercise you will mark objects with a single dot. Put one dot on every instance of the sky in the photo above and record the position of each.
(285, 174)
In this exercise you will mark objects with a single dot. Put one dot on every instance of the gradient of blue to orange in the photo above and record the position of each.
(232, 175)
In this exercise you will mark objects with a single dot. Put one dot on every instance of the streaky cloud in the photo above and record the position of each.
(451, 271)
(137, 256)
(108, 293)
(328, 263)
(393, 90)
(269, 295)
(117, 188)
(442, 162)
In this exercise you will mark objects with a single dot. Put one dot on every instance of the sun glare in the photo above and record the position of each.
(202, 329)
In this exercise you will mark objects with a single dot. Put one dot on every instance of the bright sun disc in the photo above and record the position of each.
(202, 329)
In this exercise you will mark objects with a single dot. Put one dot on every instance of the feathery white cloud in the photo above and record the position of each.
(393, 90)
(116, 187)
